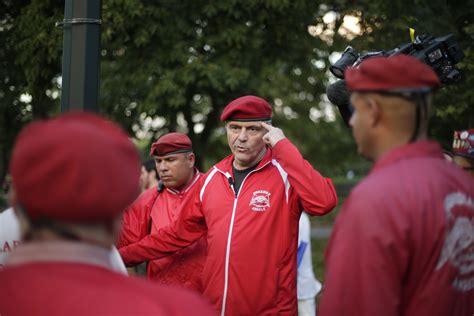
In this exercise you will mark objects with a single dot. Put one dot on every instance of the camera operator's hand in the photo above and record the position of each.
(274, 134)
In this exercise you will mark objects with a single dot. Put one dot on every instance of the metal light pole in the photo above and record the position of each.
(81, 55)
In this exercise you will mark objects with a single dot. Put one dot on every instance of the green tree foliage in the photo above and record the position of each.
(30, 50)
(385, 26)
(173, 65)
(193, 58)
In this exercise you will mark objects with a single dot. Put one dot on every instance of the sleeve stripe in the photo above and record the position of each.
(209, 177)
(284, 177)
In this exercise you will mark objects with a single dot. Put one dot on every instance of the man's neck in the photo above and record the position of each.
(389, 143)
(191, 177)
(62, 251)
(254, 163)
(94, 235)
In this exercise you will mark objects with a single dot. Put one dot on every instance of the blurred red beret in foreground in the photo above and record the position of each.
(77, 167)
(400, 72)
(171, 143)
(247, 108)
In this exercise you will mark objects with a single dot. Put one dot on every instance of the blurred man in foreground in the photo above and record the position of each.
(82, 172)
(159, 205)
(403, 242)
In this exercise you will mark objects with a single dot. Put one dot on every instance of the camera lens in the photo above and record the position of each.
(338, 72)
(348, 58)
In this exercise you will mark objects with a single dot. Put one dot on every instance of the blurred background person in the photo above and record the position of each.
(149, 175)
(9, 234)
(307, 285)
(9, 227)
(463, 149)
(4, 192)
(448, 156)
(69, 214)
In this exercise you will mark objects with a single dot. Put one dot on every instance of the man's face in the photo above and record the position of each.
(360, 124)
(175, 170)
(246, 143)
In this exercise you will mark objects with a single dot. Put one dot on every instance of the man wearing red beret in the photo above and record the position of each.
(403, 242)
(82, 171)
(159, 206)
(249, 204)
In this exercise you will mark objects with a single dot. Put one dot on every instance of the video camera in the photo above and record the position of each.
(440, 53)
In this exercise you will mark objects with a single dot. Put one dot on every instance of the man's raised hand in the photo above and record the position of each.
(274, 134)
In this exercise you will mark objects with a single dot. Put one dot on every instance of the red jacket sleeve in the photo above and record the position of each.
(188, 227)
(136, 219)
(316, 193)
(366, 260)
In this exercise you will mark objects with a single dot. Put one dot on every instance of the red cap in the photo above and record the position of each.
(171, 143)
(400, 72)
(77, 167)
(247, 108)
(463, 143)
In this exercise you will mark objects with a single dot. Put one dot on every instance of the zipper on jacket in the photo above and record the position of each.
(231, 182)
(227, 256)
(229, 237)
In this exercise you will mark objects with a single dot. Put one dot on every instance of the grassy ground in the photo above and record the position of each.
(318, 245)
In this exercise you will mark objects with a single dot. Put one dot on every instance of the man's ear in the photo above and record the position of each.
(192, 159)
(374, 112)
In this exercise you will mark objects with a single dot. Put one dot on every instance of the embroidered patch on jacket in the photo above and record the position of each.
(458, 247)
(260, 200)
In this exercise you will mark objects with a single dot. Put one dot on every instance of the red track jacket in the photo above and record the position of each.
(79, 283)
(252, 237)
(403, 242)
(183, 268)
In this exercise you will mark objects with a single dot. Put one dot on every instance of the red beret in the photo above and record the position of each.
(171, 143)
(247, 108)
(77, 167)
(400, 72)
(463, 143)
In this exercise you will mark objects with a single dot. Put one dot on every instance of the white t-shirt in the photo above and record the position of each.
(117, 262)
(9, 234)
(10, 239)
(307, 285)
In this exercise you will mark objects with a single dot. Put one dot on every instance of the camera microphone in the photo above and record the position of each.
(160, 186)
(338, 95)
